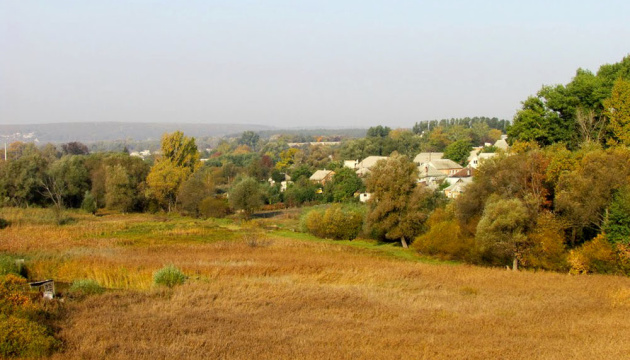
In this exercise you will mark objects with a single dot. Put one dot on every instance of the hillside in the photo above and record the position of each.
(104, 131)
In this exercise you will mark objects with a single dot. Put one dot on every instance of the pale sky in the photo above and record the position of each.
(294, 63)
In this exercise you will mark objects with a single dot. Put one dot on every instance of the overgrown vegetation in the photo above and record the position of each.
(23, 329)
(169, 276)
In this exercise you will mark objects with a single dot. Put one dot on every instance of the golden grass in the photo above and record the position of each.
(296, 298)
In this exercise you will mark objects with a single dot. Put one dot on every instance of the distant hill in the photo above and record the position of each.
(106, 131)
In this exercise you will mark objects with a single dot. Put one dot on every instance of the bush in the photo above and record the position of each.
(86, 287)
(445, 240)
(9, 265)
(89, 203)
(595, 256)
(21, 335)
(214, 207)
(4, 223)
(169, 276)
(335, 222)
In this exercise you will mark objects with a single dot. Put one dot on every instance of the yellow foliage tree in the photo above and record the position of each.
(617, 110)
(164, 180)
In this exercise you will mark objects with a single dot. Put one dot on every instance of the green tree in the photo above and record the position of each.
(397, 208)
(345, 183)
(193, 191)
(459, 151)
(378, 131)
(118, 189)
(300, 192)
(617, 223)
(501, 231)
(250, 139)
(246, 195)
(89, 203)
(536, 122)
(68, 178)
(22, 178)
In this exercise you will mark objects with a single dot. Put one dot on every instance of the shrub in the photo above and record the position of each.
(89, 203)
(445, 237)
(4, 223)
(169, 276)
(9, 265)
(595, 256)
(445, 240)
(546, 245)
(214, 207)
(86, 287)
(20, 337)
(20, 333)
(335, 222)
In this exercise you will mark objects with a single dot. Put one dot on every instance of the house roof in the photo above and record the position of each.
(444, 164)
(458, 186)
(464, 173)
(427, 156)
(502, 144)
(429, 171)
(370, 161)
(320, 175)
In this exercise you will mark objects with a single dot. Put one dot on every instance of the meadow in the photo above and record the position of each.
(261, 289)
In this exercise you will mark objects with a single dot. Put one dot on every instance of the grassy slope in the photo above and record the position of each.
(296, 296)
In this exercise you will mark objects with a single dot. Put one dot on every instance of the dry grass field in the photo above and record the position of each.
(260, 293)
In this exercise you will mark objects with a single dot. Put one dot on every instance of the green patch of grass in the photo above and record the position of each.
(176, 231)
(393, 250)
(84, 287)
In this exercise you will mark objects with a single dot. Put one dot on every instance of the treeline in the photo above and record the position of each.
(455, 140)
(592, 108)
(493, 123)
(69, 176)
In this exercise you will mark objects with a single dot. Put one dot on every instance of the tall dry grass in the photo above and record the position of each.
(296, 298)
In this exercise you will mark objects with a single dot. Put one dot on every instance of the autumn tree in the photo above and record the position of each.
(617, 110)
(179, 160)
(583, 195)
(180, 150)
(164, 181)
(398, 206)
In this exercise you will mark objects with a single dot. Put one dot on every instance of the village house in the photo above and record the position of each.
(322, 176)
(426, 157)
(432, 173)
(456, 189)
(283, 184)
(502, 143)
(363, 168)
(475, 159)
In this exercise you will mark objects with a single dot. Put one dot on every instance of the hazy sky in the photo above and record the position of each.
(294, 63)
